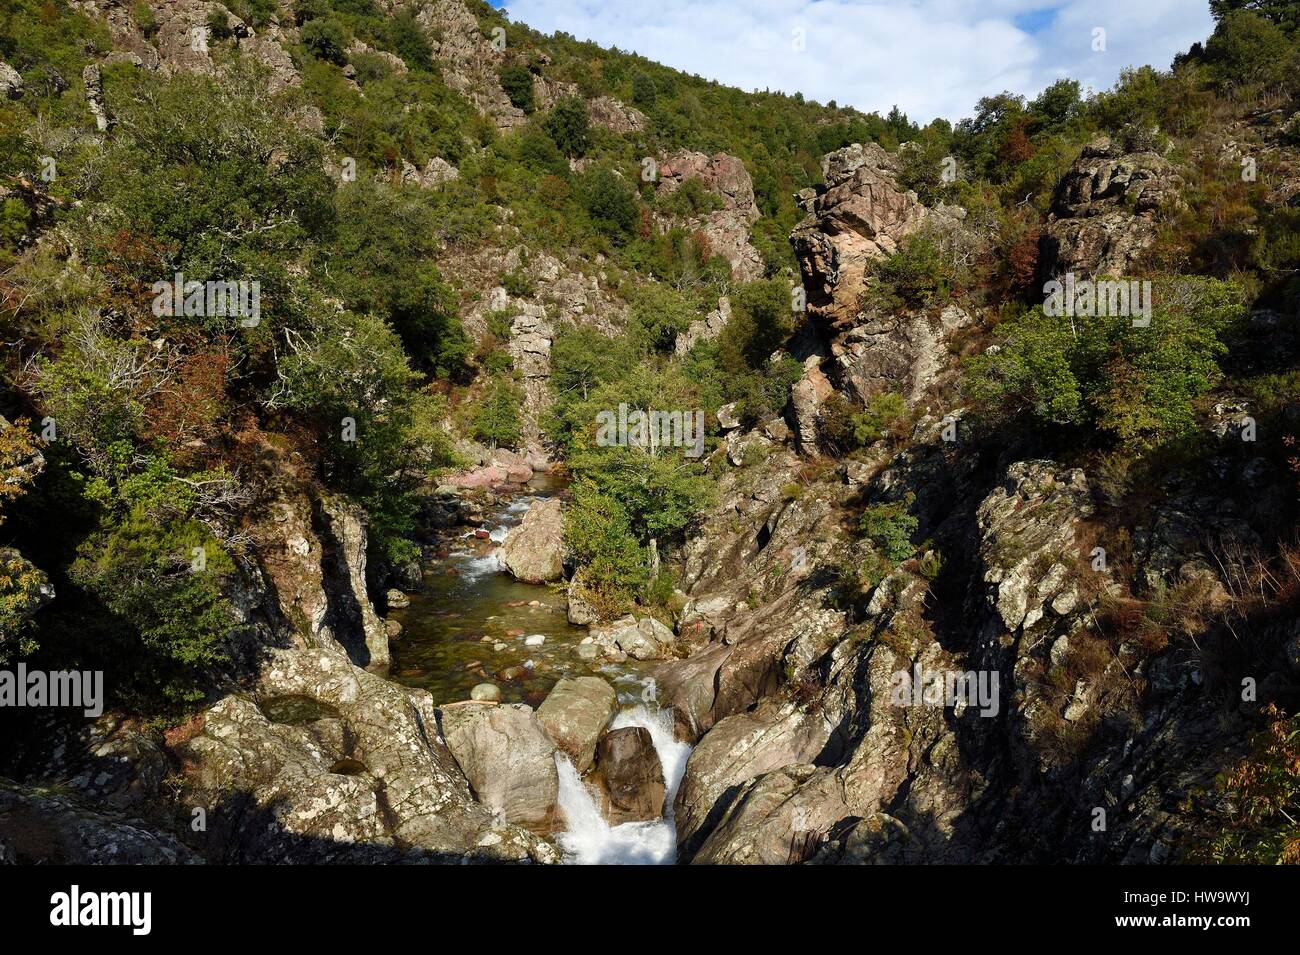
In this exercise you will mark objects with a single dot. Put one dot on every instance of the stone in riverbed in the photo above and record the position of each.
(536, 640)
(507, 757)
(397, 600)
(575, 713)
(486, 693)
(644, 639)
(534, 551)
(580, 611)
(631, 776)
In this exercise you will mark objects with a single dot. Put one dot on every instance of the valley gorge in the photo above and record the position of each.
(951, 580)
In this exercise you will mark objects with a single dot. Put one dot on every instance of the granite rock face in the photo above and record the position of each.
(1105, 211)
(329, 763)
(575, 714)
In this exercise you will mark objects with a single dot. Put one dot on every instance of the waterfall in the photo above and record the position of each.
(589, 839)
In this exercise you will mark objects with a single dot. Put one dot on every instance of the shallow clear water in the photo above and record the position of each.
(470, 625)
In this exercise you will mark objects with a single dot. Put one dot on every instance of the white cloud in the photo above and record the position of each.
(931, 57)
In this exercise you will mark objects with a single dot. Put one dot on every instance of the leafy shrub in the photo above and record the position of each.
(326, 39)
(914, 276)
(1264, 794)
(1138, 384)
(890, 528)
(517, 82)
(567, 124)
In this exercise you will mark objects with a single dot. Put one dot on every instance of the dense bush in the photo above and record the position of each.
(1138, 384)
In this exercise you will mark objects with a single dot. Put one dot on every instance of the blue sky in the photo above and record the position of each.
(931, 57)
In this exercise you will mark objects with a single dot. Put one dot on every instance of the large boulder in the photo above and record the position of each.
(534, 551)
(630, 775)
(324, 762)
(508, 758)
(736, 750)
(575, 714)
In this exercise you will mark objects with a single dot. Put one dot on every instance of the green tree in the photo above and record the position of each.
(517, 81)
(644, 92)
(567, 124)
(326, 39)
(495, 419)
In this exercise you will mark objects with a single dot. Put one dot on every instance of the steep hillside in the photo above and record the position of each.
(984, 549)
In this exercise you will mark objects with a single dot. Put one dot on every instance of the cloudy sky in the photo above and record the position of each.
(931, 57)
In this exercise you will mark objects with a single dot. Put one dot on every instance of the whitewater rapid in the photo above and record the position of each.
(589, 839)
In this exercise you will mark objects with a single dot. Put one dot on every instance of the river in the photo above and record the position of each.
(474, 623)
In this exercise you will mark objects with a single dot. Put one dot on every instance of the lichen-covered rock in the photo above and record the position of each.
(736, 750)
(1028, 527)
(345, 536)
(1105, 210)
(508, 759)
(534, 551)
(337, 764)
(575, 713)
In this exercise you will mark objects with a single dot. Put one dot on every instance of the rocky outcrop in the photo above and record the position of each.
(470, 59)
(705, 329)
(344, 539)
(508, 758)
(531, 334)
(859, 214)
(435, 172)
(11, 82)
(94, 83)
(575, 714)
(807, 396)
(534, 551)
(1105, 210)
(1030, 550)
(615, 116)
(324, 762)
(726, 230)
(46, 826)
(630, 776)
